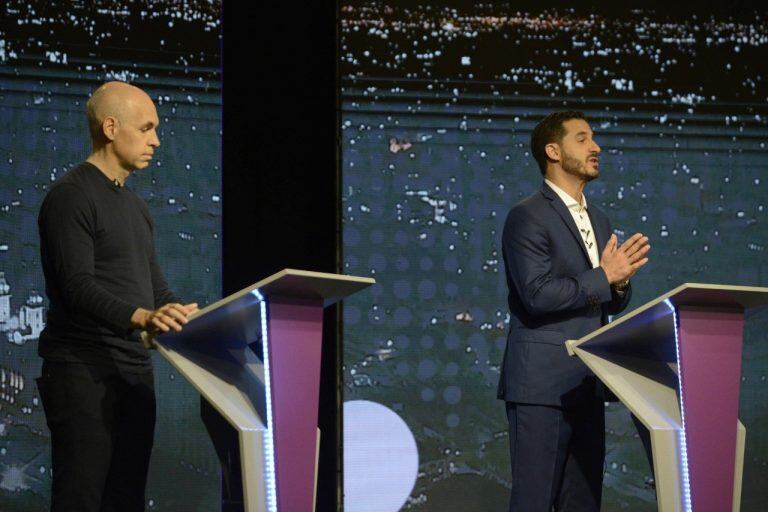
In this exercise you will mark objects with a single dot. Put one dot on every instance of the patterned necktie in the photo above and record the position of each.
(586, 234)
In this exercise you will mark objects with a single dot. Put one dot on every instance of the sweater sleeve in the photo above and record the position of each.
(67, 227)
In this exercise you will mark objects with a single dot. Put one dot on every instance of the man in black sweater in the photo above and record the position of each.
(105, 287)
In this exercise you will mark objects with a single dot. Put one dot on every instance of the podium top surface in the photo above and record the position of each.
(648, 322)
(297, 284)
(235, 318)
(717, 295)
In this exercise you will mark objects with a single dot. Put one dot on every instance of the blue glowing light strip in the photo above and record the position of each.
(687, 506)
(269, 441)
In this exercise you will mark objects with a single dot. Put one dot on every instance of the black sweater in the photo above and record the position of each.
(99, 262)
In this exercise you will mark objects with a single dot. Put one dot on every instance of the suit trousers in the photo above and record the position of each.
(557, 456)
(102, 423)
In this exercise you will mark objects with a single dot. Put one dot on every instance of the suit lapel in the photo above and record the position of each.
(565, 214)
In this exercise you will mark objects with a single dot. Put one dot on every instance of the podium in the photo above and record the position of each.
(675, 362)
(254, 356)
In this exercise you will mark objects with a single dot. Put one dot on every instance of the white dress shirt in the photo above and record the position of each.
(583, 224)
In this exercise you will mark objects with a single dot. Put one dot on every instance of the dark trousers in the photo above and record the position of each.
(557, 457)
(102, 424)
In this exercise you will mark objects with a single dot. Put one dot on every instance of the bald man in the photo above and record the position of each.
(105, 287)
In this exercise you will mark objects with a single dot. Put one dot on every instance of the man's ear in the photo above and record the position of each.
(109, 127)
(552, 151)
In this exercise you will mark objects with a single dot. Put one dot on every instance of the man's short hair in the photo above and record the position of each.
(550, 129)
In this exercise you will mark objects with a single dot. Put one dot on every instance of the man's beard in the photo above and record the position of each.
(575, 167)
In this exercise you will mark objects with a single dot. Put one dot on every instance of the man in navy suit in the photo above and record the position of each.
(566, 273)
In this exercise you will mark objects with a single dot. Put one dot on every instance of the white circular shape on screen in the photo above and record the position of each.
(380, 458)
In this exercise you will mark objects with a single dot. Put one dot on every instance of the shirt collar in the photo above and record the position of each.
(567, 199)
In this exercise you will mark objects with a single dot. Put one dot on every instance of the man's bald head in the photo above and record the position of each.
(113, 99)
(123, 123)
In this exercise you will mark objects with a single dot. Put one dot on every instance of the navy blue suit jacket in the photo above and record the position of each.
(554, 295)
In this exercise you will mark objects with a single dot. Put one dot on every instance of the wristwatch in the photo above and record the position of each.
(620, 287)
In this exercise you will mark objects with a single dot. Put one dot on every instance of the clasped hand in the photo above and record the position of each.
(621, 263)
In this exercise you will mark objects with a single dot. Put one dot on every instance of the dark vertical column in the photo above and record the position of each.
(280, 173)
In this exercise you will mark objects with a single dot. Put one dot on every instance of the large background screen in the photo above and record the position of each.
(438, 104)
(51, 57)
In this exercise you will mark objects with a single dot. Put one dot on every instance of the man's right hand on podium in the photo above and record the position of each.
(163, 319)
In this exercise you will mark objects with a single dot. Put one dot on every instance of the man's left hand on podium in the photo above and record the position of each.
(164, 319)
